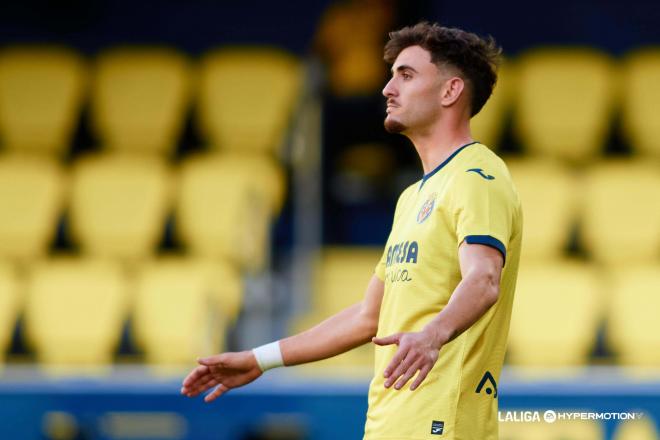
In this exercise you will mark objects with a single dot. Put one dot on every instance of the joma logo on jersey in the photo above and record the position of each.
(404, 252)
(426, 209)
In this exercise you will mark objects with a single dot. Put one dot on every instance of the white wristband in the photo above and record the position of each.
(268, 356)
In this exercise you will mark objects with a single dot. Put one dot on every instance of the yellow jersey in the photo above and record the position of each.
(469, 197)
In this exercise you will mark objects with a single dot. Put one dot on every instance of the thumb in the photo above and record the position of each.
(210, 360)
(387, 340)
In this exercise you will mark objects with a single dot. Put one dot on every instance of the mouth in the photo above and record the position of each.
(391, 106)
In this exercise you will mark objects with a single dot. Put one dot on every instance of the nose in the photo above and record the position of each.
(389, 90)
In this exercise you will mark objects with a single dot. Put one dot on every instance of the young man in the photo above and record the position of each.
(439, 304)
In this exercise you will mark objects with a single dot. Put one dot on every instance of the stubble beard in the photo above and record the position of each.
(394, 126)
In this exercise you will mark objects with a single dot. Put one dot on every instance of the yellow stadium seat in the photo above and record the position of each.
(641, 79)
(10, 304)
(633, 327)
(75, 310)
(341, 275)
(548, 293)
(487, 126)
(558, 430)
(547, 192)
(31, 201)
(176, 317)
(644, 429)
(621, 211)
(564, 102)
(119, 204)
(247, 96)
(225, 206)
(139, 99)
(41, 91)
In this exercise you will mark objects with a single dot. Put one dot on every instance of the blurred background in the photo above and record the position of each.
(179, 178)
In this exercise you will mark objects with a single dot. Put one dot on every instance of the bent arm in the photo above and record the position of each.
(481, 269)
(350, 328)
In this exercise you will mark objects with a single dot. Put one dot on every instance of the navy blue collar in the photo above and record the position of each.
(445, 162)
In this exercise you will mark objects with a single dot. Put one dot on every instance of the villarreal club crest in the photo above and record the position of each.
(426, 209)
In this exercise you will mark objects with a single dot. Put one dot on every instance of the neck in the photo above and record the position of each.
(436, 143)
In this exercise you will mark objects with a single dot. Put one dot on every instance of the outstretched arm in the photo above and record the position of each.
(350, 328)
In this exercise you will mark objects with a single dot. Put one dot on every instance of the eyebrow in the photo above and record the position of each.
(403, 67)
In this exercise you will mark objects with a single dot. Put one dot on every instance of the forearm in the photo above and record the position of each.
(347, 329)
(471, 299)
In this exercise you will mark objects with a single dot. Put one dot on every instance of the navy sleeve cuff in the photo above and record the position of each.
(488, 241)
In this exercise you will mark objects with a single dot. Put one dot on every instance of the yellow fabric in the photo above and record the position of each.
(246, 97)
(633, 326)
(41, 91)
(641, 73)
(564, 102)
(420, 268)
(487, 126)
(547, 290)
(548, 192)
(226, 204)
(31, 200)
(10, 303)
(119, 204)
(174, 318)
(139, 99)
(621, 211)
(75, 311)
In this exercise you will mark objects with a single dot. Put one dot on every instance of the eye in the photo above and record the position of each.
(406, 75)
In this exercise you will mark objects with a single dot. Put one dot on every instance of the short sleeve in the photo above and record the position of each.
(483, 207)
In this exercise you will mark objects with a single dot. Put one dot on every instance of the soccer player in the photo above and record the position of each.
(439, 304)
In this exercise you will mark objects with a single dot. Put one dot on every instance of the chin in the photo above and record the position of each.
(394, 126)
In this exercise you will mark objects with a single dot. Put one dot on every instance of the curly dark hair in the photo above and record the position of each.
(476, 58)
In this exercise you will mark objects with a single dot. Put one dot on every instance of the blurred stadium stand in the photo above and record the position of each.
(181, 178)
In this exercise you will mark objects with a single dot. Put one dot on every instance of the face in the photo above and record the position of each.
(417, 92)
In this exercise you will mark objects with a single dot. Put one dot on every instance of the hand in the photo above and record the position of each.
(223, 371)
(416, 352)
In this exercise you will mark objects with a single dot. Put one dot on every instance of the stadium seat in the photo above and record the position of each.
(641, 77)
(551, 293)
(75, 310)
(564, 102)
(488, 125)
(139, 99)
(246, 98)
(633, 327)
(41, 91)
(31, 200)
(621, 211)
(558, 430)
(182, 309)
(340, 279)
(644, 429)
(10, 304)
(547, 191)
(225, 206)
(119, 205)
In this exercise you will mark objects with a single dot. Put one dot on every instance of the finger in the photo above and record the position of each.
(195, 374)
(215, 360)
(204, 387)
(217, 392)
(387, 340)
(420, 377)
(410, 372)
(399, 368)
(194, 385)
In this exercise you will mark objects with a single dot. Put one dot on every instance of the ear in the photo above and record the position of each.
(451, 91)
